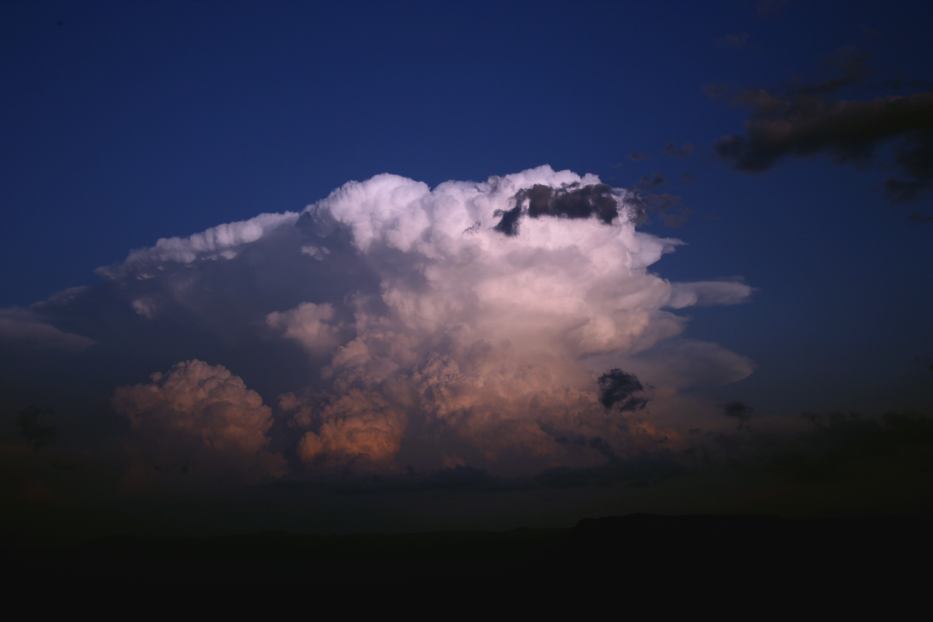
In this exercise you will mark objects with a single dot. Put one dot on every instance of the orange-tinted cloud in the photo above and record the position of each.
(199, 420)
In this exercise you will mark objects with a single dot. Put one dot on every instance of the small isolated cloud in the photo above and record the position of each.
(739, 411)
(618, 389)
(309, 324)
(709, 293)
(319, 253)
(147, 307)
(651, 200)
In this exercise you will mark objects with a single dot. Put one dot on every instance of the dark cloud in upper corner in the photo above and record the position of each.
(849, 130)
(620, 389)
(809, 118)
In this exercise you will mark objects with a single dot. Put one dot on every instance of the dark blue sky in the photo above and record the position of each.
(125, 122)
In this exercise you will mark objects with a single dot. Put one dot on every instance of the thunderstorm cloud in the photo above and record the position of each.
(390, 326)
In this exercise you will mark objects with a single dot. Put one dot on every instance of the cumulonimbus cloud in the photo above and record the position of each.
(402, 326)
(499, 304)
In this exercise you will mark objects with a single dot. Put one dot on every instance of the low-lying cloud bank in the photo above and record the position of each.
(393, 327)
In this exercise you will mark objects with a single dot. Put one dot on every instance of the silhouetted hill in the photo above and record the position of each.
(639, 547)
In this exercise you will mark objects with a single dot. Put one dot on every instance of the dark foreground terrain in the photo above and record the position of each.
(724, 550)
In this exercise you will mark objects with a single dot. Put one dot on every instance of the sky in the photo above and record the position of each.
(767, 169)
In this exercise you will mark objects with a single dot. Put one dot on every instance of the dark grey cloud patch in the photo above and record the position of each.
(650, 198)
(569, 202)
(509, 223)
(740, 411)
(849, 130)
(621, 390)
(596, 200)
(651, 202)
(805, 120)
(809, 117)
(737, 410)
(596, 443)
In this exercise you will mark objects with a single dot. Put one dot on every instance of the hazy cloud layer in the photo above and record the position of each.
(25, 328)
